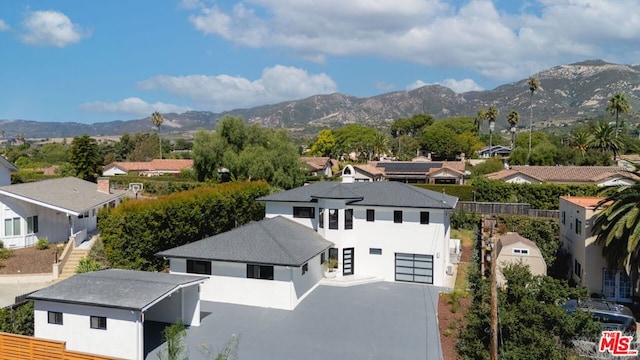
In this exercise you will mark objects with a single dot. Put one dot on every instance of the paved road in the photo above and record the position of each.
(372, 321)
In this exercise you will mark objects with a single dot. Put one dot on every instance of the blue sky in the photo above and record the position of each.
(94, 61)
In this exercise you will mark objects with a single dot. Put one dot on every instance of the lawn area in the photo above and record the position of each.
(466, 238)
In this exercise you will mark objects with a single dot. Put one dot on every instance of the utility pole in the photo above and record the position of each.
(493, 346)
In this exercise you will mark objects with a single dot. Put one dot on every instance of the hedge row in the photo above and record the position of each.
(136, 230)
(159, 185)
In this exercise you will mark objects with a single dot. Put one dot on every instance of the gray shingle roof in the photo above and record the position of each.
(377, 193)
(276, 241)
(115, 288)
(70, 193)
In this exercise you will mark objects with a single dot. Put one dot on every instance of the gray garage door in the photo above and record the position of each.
(414, 268)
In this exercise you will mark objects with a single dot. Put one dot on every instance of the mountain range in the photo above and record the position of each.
(567, 93)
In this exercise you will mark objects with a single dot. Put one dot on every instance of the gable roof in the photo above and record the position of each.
(153, 165)
(512, 238)
(6, 163)
(116, 288)
(377, 193)
(69, 194)
(317, 163)
(273, 241)
(565, 174)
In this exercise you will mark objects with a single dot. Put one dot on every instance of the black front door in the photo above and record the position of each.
(347, 261)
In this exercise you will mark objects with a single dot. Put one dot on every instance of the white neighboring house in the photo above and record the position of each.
(54, 209)
(588, 266)
(104, 312)
(386, 229)
(270, 263)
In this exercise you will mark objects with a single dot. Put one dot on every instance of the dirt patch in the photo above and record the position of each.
(29, 261)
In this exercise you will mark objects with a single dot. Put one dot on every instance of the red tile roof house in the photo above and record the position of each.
(319, 166)
(578, 175)
(429, 172)
(148, 168)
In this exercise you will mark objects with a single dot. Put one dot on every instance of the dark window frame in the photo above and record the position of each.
(321, 218)
(200, 267)
(98, 322)
(371, 215)
(375, 251)
(578, 227)
(397, 216)
(32, 224)
(333, 219)
(305, 268)
(348, 219)
(304, 212)
(55, 317)
(333, 254)
(424, 217)
(261, 272)
(323, 258)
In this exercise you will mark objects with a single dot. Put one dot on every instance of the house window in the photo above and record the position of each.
(305, 268)
(563, 217)
(54, 317)
(375, 251)
(577, 268)
(521, 251)
(578, 226)
(371, 215)
(397, 216)
(323, 258)
(32, 224)
(264, 272)
(348, 219)
(333, 254)
(321, 218)
(333, 218)
(12, 227)
(424, 217)
(99, 322)
(83, 215)
(304, 212)
(199, 267)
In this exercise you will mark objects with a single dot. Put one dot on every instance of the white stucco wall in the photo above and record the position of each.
(122, 338)
(407, 237)
(229, 284)
(52, 225)
(183, 304)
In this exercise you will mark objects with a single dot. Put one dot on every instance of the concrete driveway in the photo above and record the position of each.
(8, 292)
(372, 321)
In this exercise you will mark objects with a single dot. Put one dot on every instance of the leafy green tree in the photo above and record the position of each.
(18, 320)
(84, 157)
(405, 147)
(544, 154)
(617, 104)
(232, 130)
(208, 151)
(411, 126)
(617, 227)
(534, 85)
(490, 166)
(324, 144)
(355, 138)
(157, 120)
(441, 142)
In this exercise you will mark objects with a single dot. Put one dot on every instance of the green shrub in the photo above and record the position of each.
(42, 244)
(5, 253)
(87, 265)
(463, 220)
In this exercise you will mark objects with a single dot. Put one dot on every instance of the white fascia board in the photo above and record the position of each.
(40, 203)
(149, 305)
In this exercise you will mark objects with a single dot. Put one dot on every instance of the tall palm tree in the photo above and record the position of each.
(512, 118)
(534, 85)
(480, 118)
(603, 138)
(380, 144)
(617, 104)
(157, 120)
(617, 227)
(581, 141)
(492, 115)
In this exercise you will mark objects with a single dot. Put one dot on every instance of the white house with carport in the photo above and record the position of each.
(104, 312)
(53, 209)
(386, 229)
(272, 263)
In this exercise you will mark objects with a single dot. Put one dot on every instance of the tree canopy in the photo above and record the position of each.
(85, 159)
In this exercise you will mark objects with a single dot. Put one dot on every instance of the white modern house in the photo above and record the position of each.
(53, 209)
(105, 312)
(272, 263)
(588, 266)
(386, 229)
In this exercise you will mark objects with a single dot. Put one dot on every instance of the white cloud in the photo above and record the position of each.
(51, 28)
(459, 86)
(191, 4)
(132, 106)
(3, 25)
(224, 92)
(473, 34)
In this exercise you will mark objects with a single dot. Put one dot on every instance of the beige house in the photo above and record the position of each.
(577, 175)
(588, 266)
(318, 166)
(420, 171)
(513, 248)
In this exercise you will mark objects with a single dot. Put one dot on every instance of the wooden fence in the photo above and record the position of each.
(19, 347)
(491, 208)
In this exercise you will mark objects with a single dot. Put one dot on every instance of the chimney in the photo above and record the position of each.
(104, 185)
